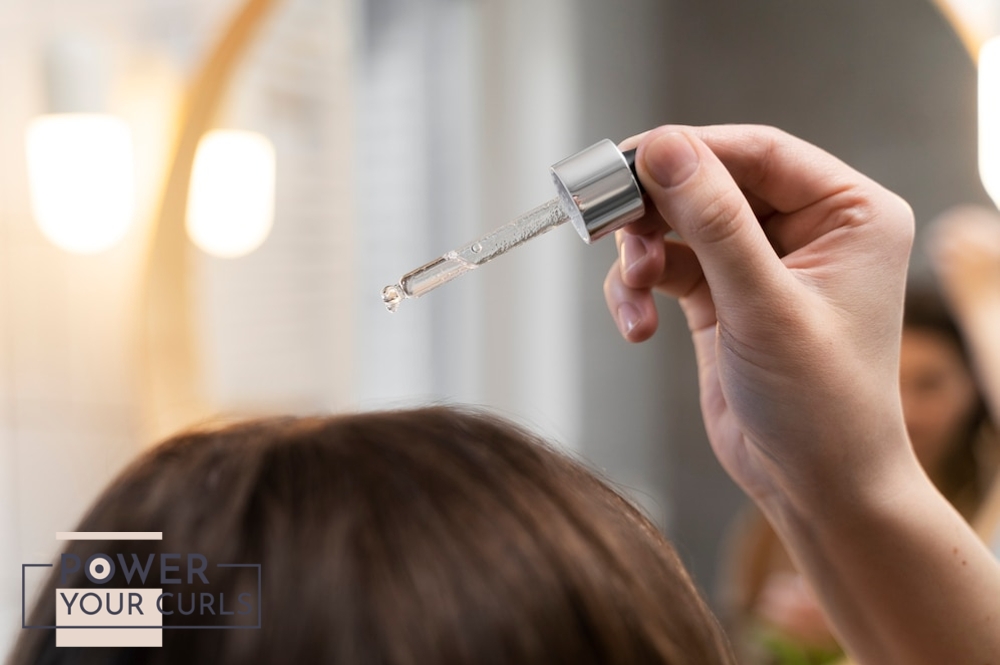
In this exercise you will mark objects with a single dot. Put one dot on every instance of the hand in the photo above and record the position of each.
(964, 247)
(790, 269)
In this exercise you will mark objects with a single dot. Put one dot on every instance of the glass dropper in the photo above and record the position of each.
(457, 262)
(598, 193)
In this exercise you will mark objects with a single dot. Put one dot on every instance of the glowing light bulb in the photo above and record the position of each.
(231, 201)
(81, 179)
(989, 117)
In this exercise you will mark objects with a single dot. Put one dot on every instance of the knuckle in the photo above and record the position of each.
(854, 212)
(894, 217)
(885, 215)
(905, 220)
(720, 219)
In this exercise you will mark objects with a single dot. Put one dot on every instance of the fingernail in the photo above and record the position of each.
(633, 251)
(670, 159)
(628, 318)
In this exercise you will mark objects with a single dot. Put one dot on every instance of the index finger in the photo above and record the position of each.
(764, 161)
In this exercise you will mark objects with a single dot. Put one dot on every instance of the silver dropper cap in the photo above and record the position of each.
(598, 190)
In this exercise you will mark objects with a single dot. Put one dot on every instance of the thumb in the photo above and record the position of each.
(698, 198)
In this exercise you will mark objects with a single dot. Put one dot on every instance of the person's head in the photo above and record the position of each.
(942, 404)
(426, 537)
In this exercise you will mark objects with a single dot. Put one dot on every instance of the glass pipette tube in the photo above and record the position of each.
(457, 262)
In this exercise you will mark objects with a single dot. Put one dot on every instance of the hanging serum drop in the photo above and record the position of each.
(597, 191)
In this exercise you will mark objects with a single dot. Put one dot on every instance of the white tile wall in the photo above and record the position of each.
(275, 324)
(68, 389)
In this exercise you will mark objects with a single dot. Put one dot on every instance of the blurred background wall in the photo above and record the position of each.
(402, 129)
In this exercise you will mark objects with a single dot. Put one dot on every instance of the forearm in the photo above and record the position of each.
(901, 575)
(981, 328)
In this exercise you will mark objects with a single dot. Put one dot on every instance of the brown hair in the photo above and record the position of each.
(434, 536)
(968, 472)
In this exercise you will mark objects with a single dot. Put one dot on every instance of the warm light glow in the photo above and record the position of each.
(989, 117)
(81, 178)
(231, 202)
(975, 21)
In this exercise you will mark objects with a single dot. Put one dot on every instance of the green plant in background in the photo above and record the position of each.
(782, 650)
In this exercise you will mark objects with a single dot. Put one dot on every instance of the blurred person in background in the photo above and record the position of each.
(964, 248)
(774, 615)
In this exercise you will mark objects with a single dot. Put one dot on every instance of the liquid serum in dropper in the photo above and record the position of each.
(597, 191)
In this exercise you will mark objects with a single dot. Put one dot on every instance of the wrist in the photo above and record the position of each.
(844, 498)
